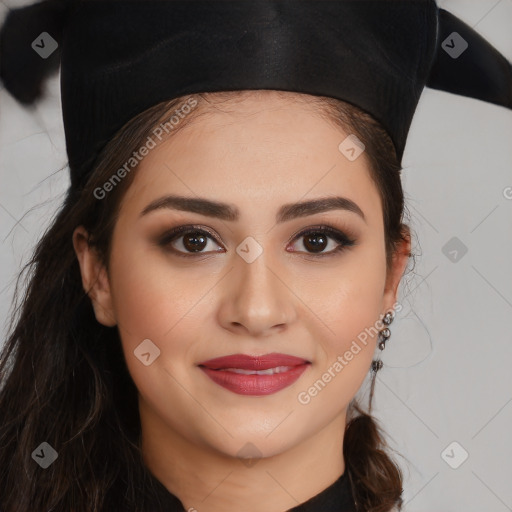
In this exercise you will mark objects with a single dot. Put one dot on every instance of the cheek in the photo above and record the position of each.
(139, 295)
(349, 299)
(147, 292)
(156, 301)
(350, 307)
(151, 302)
(143, 296)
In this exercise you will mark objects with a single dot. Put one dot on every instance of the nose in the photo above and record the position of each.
(257, 300)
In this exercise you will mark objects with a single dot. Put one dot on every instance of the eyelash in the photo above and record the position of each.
(337, 235)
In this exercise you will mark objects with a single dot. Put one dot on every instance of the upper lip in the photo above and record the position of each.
(246, 362)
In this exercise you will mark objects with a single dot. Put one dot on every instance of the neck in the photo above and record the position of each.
(208, 480)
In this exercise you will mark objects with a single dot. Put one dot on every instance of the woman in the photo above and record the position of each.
(211, 295)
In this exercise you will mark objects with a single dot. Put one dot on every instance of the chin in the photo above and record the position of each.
(256, 446)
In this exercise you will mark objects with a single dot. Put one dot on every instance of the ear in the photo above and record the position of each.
(398, 265)
(94, 278)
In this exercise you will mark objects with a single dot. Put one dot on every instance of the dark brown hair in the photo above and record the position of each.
(63, 377)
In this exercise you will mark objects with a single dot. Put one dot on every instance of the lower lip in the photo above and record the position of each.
(255, 384)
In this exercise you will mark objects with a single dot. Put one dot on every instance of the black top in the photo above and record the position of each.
(335, 498)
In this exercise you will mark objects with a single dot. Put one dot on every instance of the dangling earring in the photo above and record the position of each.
(384, 335)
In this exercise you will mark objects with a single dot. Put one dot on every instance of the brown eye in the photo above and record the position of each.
(187, 240)
(316, 240)
(194, 242)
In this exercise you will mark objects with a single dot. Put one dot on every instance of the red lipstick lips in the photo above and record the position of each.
(255, 375)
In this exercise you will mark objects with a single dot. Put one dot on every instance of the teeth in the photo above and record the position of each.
(270, 371)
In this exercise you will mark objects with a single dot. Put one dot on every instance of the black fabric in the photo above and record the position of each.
(120, 57)
(343, 49)
(481, 72)
(337, 497)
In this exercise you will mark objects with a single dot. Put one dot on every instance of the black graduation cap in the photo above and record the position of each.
(120, 57)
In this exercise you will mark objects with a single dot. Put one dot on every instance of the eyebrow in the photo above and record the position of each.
(230, 212)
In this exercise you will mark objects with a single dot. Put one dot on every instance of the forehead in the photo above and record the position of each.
(261, 149)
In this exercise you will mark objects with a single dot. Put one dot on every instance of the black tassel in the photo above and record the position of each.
(30, 41)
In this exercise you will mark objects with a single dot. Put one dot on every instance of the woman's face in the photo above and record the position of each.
(254, 287)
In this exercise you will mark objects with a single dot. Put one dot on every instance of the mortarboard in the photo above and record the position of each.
(120, 57)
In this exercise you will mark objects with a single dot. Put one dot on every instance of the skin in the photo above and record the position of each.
(257, 154)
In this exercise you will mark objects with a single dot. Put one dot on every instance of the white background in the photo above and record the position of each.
(448, 364)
